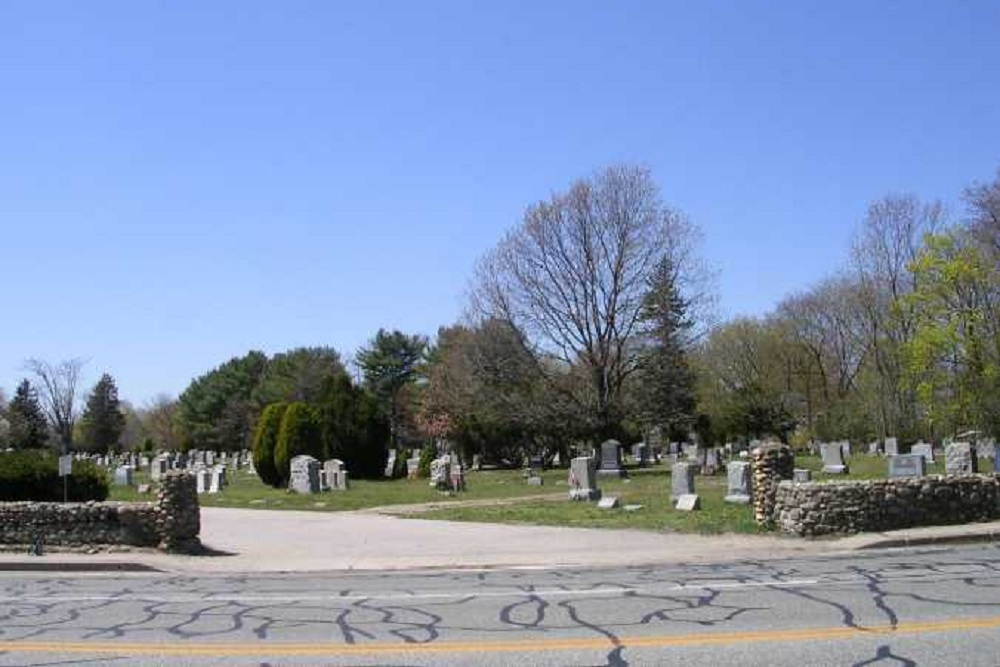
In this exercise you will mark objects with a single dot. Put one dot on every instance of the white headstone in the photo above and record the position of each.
(960, 459)
(833, 458)
(582, 479)
(925, 450)
(681, 480)
(689, 502)
(738, 477)
(607, 503)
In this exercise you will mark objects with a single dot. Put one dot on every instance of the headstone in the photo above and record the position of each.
(833, 458)
(891, 447)
(143, 489)
(845, 449)
(689, 502)
(711, 461)
(534, 480)
(986, 449)
(738, 477)
(640, 453)
(607, 503)
(582, 479)
(456, 477)
(304, 476)
(335, 475)
(611, 459)
(441, 472)
(907, 466)
(925, 450)
(390, 464)
(209, 458)
(123, 475)
(412, 467)
(960, 459)
(202, 480)
(536, 464)
(216, 479)
(874, 448)
(689, 451)
(801, 475)
(477, 462)
(158, 468)
(681, 480)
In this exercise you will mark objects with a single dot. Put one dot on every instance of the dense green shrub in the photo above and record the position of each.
(265, 442)
(353, 428)
(427, 455)
(34, 475)
(298, 434)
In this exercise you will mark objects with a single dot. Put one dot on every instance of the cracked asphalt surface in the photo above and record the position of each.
(930, 606)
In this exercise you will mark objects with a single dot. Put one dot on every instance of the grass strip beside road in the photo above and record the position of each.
(503, 496)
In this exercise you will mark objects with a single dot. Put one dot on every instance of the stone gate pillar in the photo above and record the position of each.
(771, 464)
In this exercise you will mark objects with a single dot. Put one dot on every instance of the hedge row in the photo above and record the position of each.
(34, 475)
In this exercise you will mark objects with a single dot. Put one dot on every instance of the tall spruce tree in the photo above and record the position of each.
(666, 396)
(389, 364)
(103, 421)
(28, 427)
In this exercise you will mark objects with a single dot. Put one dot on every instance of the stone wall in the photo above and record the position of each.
(822, 508)
(171, 523)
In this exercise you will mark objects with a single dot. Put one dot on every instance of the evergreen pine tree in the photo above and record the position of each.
(666, 398)
(103, 421)
(28, 427)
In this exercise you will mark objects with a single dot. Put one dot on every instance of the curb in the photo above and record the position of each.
(925, 540)
(73, 566)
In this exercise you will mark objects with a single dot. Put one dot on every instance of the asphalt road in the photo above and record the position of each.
(906, 607)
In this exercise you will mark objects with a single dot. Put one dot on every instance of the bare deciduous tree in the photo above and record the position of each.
(885, 247)
(570, 279)
(58, 385)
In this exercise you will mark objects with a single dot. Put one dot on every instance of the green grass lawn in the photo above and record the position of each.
(648, 487)
(246, 490)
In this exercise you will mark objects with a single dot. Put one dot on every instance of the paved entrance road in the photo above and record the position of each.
(930, 607)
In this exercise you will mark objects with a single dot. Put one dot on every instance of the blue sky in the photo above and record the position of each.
(181, 182)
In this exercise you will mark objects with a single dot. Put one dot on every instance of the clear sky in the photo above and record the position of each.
(181, 182)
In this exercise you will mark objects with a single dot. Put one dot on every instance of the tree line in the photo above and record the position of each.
(592, 319)
(904, 341)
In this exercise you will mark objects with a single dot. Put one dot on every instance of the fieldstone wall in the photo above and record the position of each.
(171, 523)
(771, 464)
(822, 508)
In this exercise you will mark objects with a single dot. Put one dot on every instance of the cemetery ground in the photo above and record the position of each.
(503, 496)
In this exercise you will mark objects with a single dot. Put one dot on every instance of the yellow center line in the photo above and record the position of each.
(568, 644)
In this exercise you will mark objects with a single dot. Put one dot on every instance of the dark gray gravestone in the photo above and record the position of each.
(640, 452)
(906, 466)
(960, 459)
(611, 459)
